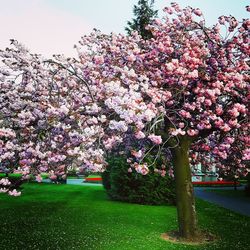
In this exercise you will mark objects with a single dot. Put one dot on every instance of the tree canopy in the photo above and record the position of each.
(144, 14)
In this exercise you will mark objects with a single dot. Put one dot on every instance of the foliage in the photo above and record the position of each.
(136, 188)
(144, 15)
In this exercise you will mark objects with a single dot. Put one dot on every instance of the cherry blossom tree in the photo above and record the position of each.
(46, 121)
(186, 86)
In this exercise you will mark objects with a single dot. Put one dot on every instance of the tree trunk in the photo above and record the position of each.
(187, 219)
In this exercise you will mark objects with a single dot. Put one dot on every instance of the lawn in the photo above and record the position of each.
(239, 194)
(54, 217)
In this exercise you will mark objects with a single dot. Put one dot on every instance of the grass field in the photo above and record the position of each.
(49, 216)
(238, 194)
(2, 175)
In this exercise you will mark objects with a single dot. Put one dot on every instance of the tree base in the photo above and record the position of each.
(202, 237)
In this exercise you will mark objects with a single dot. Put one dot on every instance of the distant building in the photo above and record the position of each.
(200, 174)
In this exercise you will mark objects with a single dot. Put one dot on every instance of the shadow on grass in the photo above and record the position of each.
(51, 216)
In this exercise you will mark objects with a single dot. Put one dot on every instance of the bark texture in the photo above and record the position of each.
(187, 218)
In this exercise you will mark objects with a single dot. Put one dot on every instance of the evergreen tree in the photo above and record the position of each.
(144, 14)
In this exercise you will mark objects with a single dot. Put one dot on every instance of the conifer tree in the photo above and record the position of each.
(143, 15)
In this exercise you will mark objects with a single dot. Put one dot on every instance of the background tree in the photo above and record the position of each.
(144, 15)
(44, 110)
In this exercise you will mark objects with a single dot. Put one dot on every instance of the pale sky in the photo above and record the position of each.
(54, 26)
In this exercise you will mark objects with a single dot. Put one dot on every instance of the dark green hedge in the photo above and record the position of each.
(132, 187)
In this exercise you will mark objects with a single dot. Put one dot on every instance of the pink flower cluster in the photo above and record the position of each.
(156, 139)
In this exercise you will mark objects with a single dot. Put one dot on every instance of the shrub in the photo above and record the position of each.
(132, 187)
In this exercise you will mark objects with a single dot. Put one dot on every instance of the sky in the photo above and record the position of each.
(54, 26)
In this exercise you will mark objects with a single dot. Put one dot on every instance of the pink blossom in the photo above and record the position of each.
(208, 102)
(110, 142)
(229, 140)
(141, 168)
(6, 132)
(234, 112)
(169, 10)
(219, 123)
(181, 125)
(156, 139)
(99, 59)
(178, 131)
(14, 192)
(39, 178)
(131, 58)
(240, 107)
(120, 125)
(137, 154)
(219, 110)
(3, 190)
(233, 122)
(5, 182)
(185, 114)
(170, 67)
(201, 126)
(225, 128)
(139, 135)
(53, 177)
(192, 132)
(163, 173)
(246, 154)
(171, 172)
(193, 74)
(222, 20)
(197, 12)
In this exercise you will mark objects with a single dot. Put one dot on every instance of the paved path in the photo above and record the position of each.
(76, 182)
(234, 204)
(80, 182)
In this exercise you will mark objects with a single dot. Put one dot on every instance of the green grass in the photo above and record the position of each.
(94, 176)
(54, 217)
(239, 194)
(243, 181)
(73, 177)
(17, 176)
(2, 175)
(89, 176)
